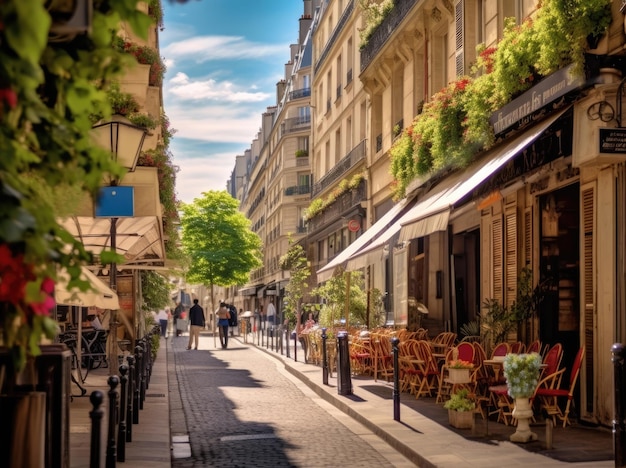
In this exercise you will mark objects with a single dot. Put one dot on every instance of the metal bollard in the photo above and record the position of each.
(131, 394)
(121, 428)
(96, 398)
(324, 358)
(113, 382)
(287, 342)
(619, 429)
(295, 346)
(137, 379)
(396, 379)
(344, 380)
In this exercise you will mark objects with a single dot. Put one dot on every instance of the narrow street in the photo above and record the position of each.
(239, 408)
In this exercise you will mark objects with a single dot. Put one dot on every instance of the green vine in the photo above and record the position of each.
(49, 92)
(453, 126)
(320, 204)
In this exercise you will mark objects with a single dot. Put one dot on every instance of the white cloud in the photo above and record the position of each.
(183, 87)
(201, 174)
(205, 48)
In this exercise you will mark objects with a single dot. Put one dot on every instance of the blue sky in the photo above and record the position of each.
(224, 58)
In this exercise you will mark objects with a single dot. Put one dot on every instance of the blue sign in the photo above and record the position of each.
(115, 202)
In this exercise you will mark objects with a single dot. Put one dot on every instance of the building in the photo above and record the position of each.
(273, 179)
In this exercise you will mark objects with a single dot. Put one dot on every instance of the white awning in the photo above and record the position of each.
(433, 212)
(324, 273)
(431, 215)
(100, 296)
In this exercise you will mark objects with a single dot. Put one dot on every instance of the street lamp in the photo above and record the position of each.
(124, 140)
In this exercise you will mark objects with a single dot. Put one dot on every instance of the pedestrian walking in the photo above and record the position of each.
(223, 318)
(196, 319)
(178, 311)
(162, 318)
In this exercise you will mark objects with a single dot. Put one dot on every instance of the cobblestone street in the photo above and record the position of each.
(239, 408)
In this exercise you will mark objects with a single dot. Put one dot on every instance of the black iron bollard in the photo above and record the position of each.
(619, 429)
(131, 395)
(324, 358)
(137, 379)
(287, 337)
(396, 380)
(121, 433)
(295, 346)
(113, 382)
(144, 372)
(96, 398)
(344, 380)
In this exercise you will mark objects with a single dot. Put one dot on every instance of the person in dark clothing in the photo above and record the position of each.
(196, 319)
(223, 317)
(177, 314)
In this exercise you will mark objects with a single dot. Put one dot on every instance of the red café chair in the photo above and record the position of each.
(534, 347)
(549, 397)
(552, 360)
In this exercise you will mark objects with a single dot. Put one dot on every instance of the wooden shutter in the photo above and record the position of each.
(587, 291)
(528, 237)
(496, 258)
(510, 252)
(459, 29)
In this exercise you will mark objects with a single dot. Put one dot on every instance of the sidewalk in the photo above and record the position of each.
(421, 435)
(430, 442)
(151, 441)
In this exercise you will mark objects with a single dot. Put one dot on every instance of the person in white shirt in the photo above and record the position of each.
(162, 317)
(271, 313)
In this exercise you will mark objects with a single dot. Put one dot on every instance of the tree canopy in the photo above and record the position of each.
(218, 240)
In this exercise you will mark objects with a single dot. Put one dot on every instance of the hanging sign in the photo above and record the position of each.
(354, 225)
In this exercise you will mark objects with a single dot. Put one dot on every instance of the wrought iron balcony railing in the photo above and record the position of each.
(354, 157)
(379, 37)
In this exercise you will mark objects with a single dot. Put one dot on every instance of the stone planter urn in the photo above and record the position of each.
(523, 412)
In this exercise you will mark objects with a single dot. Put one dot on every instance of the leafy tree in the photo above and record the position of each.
(334, 292)
(155, 290)
(295, 261)
(216, 237)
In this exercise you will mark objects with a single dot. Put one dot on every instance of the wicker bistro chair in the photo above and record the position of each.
(549, 393)
(409, 363)
(383, 357)
(463, 352)
(361, 356)
(427, 378)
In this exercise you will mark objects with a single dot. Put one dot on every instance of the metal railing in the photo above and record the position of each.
(384, 30)
(356, 155)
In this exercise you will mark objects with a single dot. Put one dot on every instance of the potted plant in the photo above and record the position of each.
(459, 371)
(460, 410)
(522, 374)
(301, 153)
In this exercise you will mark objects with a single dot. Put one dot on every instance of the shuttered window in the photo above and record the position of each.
(459, 59)
(587, 289)
(528, 237)
(496, 258)
(510, 250)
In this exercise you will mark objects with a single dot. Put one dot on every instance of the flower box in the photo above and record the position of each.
(458, 376)
(461, 419)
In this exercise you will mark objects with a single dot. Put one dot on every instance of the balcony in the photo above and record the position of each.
(380, 36)
(298, 190)
(295, 124)
(299, 93)
(333, 37)
(354, 157)
(343, 203)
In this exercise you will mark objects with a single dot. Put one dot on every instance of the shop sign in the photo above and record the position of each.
(613, 140)
(519, 111)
